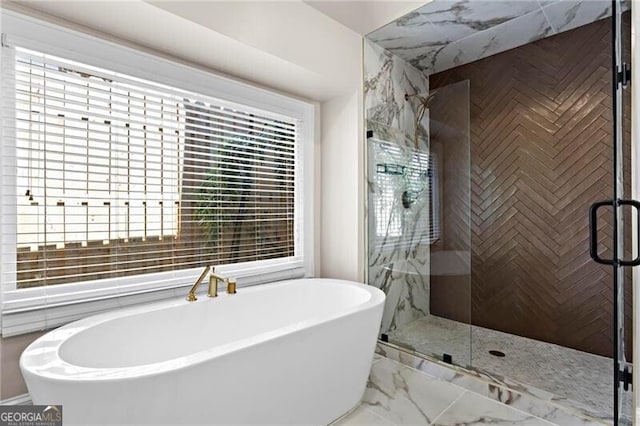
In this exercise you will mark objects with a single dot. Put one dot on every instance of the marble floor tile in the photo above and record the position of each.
(573, 378)
(405, 389)
(473, 409)
(361, 416)
(523, 397)
(403, 395)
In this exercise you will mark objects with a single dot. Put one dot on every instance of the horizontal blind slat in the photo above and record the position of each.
(192, 138)
(136, 84)
(166, 114)
(162, 175)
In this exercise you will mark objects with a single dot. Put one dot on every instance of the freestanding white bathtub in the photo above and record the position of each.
(292, 352)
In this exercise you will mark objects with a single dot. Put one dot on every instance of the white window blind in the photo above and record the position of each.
(118, 176)
(117, 189)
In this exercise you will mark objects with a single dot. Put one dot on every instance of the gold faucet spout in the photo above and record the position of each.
(213, 283)
(191, 296)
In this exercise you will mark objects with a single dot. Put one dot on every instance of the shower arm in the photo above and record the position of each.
(424, 104)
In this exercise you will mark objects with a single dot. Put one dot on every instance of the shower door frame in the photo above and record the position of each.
(620, 78)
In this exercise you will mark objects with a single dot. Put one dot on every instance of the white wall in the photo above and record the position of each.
(287, 46)
(290, 30)
(342, 250)
(365, 16)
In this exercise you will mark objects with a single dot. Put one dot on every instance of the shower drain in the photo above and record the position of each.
(496, 353)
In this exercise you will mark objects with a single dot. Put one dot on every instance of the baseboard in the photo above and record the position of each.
(23, 399)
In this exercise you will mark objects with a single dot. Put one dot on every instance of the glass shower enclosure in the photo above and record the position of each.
(419, 229)
(483, 251)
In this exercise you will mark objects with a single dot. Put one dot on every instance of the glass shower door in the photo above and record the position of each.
(450, 251)
(624, 206)
(419, 228)
(621, 257)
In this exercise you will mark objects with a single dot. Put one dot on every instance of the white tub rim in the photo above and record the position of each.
(58, 369)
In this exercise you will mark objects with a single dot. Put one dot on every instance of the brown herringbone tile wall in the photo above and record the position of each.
(540, 155)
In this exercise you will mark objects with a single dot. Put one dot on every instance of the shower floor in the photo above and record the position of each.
(582, 378)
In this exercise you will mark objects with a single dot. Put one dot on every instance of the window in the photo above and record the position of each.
(406, 197)
(120, 178)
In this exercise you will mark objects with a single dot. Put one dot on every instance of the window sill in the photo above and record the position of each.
(42, 308)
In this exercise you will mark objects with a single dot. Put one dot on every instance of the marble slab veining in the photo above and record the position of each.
(405, 396)
(537, 402)
(398, 235)
(401, 395)
(473, 409)
(511, 34)
(570, 377)
(387, 78)
(398, 257)
(460, 19)
(567, 15)
(443, 33)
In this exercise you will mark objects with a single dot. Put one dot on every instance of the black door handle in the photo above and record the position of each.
(593, 231)
(636, 205)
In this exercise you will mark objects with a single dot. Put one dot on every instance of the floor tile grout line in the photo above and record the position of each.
(425, 376)
(435, 419)
(417, 370)
(431, 376)
(380, 416)
(493, 401)
(346, 415)
(516, 409)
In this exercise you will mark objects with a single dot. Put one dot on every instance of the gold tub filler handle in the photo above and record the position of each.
(231, 286)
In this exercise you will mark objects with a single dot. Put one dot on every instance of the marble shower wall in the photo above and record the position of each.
(387, 78)
(447, 33)
(398, 252)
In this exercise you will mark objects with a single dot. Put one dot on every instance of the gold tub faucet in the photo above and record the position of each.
(213, 284)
